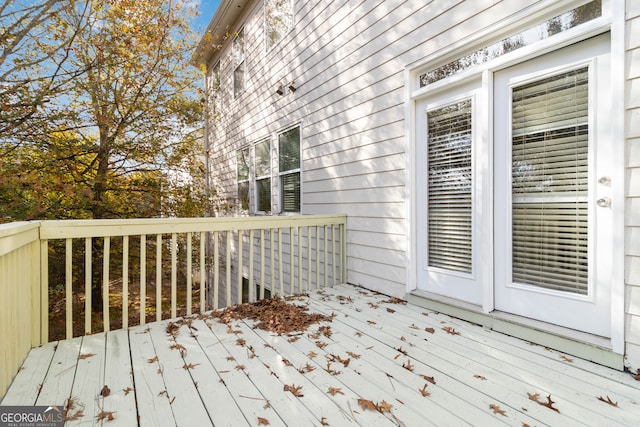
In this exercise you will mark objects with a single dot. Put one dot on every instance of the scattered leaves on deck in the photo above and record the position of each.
(334, 390)
(430, 330)
(408, 366)
(369, 405)
(106, 391)
(70, 406)
(394, 300)
(186, 367)
(608, 401)
(354, 355)
(496, 410)
(424, 391)
(549, 403)
(294, 389)
(429, 379)
(450, 330)
(480, 377)
(263, 421)
(153, 359)
(390, 310)
(323, 421)
(312, 354)
(566, 359)
(306, 369)
(173, 329)
(86, 356)
(105, 415)
(180, 347)
(127, 390)
(274, 315)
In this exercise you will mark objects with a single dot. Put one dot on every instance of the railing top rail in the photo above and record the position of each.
(14, 235)
(134, 227)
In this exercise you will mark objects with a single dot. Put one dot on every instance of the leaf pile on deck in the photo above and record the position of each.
(273, 314)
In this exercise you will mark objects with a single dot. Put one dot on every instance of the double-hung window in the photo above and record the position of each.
(263, 176)
(278, 20)
(289, 169)
(239, 63)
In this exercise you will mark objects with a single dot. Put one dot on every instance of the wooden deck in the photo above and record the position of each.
(376, 363)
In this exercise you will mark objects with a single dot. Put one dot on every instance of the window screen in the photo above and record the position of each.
(449, 195)
(549, 181)
(263, 176)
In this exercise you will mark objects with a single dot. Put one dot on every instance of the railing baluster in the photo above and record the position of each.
(251, 237)
(229, 235)
(174, 274)
(280, 261)
(125, 282)
(292, 274)
(308, 287)
(189, 273)
(272, 260)
(143, 279)
(333, 253)
(44, 291)
(203, 267)
(105, 284)
(262, 263)
(216, 270)
(300, 285)
(317, 257)
(87, 285)
(240, 259)
(158, 277)
(68, 287)
(326, 256)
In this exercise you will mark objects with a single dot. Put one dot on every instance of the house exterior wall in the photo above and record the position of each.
(347, 61)
(632, 179)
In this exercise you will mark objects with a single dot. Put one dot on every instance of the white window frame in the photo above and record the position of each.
(613, 20)
(246, 181)
(213, 88)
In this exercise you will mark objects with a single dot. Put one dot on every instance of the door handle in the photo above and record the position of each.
(604, 202)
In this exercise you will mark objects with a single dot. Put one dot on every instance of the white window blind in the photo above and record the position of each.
(550, 182)
(450, 187)
(289, 165)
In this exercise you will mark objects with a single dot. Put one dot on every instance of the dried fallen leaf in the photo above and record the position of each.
(608, 401)
(231, 359)
(408, 366)
(384, 406)
(241, 342)
(323, 421)
(105, 415)
(450, 330)
(312, 354)
(240, 367)
(390, 310)
(497, 410)
(189, 366)
(85, 356)
(480, 377)
(637, 376)
(354, 355)
(549, 403)
(367, 404)
(566, 359)
(263, 421)
(153, 359)
(413, 326)
(429, 379)
(430, 330)
(69, 407)
(294, 389)
(334, 390)
(106, 391)
(127, 390)
(424, 391)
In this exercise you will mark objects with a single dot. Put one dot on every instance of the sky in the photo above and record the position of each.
(207, 9)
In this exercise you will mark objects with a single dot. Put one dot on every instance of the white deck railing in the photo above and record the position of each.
(284, 254)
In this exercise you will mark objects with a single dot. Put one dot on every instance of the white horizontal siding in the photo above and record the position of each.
(632, 215)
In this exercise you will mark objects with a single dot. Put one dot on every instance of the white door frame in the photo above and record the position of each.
(613, 20)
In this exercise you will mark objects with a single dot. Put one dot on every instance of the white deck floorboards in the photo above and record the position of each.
(212, 374)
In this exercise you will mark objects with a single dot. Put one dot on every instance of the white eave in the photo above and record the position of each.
(216, 33)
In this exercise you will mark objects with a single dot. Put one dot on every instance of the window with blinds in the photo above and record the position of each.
(450, 188)
(549, 182)
(263, 176)
(289, 167)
